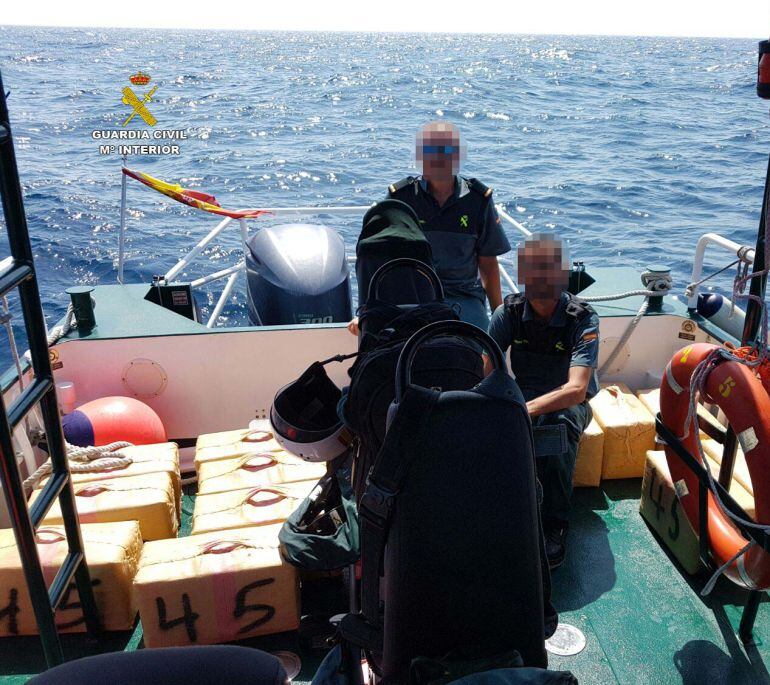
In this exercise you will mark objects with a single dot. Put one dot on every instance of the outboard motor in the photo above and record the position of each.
(297, 274)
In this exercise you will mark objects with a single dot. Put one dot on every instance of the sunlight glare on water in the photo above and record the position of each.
(631, 148)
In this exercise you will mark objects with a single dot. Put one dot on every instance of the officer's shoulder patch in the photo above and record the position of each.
(514, 300)
(588, 337)
(577, 308)
(403, 183)
(478, 187)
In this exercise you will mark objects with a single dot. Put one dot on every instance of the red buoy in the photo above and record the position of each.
(111, 419)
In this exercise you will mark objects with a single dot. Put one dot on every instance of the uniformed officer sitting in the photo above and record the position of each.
(460, 221)
(554, 343)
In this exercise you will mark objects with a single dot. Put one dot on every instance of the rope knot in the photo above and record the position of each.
(657, 282)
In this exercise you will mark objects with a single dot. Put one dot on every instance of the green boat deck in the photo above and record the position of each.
(122, 311)
(643, 617)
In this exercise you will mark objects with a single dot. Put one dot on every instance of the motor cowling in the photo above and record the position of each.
(297, 274)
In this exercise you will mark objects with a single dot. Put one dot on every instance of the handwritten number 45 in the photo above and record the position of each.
(673, 530)
(189, 617)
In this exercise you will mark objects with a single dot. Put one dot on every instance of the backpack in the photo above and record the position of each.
(391, 230)
(447, 362)
(377, 313)
(450, 500)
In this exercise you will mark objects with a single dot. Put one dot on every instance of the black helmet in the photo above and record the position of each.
(304, 416)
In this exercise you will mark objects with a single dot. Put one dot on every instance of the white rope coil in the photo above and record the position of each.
(58, 332)
(86, 460)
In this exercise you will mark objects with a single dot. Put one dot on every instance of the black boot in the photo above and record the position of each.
(555, 533)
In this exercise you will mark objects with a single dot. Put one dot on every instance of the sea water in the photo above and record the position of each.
(630, 148)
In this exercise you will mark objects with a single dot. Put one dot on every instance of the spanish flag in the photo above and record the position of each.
(193, 198)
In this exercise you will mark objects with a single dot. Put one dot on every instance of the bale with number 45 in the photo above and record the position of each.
(215, 587)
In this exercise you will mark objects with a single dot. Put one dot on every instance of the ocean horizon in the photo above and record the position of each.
(630, 148)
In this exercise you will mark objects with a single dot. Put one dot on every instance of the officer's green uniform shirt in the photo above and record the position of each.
(465, 227)
(542, 351)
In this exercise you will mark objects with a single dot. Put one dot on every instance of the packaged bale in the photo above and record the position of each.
(112, 551)
(660, 507)
(714, 450)
(216, 587)
(243, 508)
(265, 468)
(651, 400)
(629, 431)
(743, 497)
(257, 438)
(588, 467)
(148, 499)
(158, 458)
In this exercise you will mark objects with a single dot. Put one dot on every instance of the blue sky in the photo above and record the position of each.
(722, 18)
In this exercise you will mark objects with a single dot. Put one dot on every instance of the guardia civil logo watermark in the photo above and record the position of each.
(138, 106)
(139, 124)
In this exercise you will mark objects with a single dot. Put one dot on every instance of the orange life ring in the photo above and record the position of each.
(735, 388)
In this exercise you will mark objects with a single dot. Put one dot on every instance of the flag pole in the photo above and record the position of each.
(122, 243)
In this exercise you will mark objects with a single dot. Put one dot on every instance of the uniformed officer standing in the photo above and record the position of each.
(554, 343)
(460, 221)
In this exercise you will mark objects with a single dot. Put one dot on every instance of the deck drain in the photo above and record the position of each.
(290, 662)
(566, 641)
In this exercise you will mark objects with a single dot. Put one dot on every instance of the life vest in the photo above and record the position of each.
(735, 389)
(541, 356)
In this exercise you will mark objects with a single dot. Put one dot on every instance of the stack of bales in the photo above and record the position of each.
(118, 508)
(227, 580)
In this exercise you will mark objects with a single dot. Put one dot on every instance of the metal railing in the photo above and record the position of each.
(743, 253)
(232, 273)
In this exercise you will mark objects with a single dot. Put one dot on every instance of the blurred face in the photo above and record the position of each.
(438, 150)
(543, 269)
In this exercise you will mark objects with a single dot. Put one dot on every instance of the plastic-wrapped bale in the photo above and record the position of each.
(660, 507)
(158, 458)
(738, 492)
(257, 506)
(713, 449)
(148, 499)
(257, 438)
(265, 468)
(629, 431)
(213, 588)
(112, 550)
(588, 467)
(651, 399)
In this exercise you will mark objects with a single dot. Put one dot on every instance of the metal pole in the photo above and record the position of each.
(746, 627)
(222, 300)
(198, 282)
(700, 254)
(519, 227)
(182, 263)
(507, 278)
(757, 287)
(244, 233)
(122, 243)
